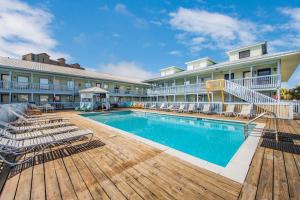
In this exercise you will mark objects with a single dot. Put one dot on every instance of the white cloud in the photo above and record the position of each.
(213, 29)
(24, 29)
(175, 53)
(127, 69)
(294, 15)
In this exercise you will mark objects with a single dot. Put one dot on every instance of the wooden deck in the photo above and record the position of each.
(116, 167)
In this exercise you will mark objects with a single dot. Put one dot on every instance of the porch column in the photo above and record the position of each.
(251, 76)
(174, 90)
(73, 89)
(197, 88)
(10, 85)
(53, 88)
(212, 94)
(32, 86)
(184, 83)
(279, 79)
(229, 80)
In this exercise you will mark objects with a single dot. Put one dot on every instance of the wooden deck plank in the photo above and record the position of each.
(65, 185)
(11, 185)
(81, 190)
(51, 181)
(38, 190)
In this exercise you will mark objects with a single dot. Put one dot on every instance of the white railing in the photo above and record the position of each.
(259, 82)
(60, 105)
(295, 103)
(126, 92)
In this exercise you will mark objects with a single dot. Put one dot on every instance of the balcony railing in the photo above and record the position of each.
(261, 82)
(37, 87)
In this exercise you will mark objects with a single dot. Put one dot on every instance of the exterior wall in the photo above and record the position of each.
(199, 64)
(254, 51)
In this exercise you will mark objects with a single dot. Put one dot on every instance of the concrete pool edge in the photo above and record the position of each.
(237, 167)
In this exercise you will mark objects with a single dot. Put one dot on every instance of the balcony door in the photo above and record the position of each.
(264, 76)
(4, 81)
(44, 84)
(23, 82)
(247, 78)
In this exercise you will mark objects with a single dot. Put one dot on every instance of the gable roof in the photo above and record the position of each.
(60, 70)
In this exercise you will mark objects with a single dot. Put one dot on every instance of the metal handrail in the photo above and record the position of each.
(259, 116)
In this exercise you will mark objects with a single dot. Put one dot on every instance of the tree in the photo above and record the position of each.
(296, 93)
(286, 94)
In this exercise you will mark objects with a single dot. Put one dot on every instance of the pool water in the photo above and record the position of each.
(215, 141)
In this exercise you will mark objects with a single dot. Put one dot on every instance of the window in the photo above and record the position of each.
(44, 98)
(264, 72)
(244, 54)
(44, 84)
(87, 85)
(226, 76)
(105, 86)
(98, 85)
(23, 81)
(187, 82)
(22, 98)
(70, 84)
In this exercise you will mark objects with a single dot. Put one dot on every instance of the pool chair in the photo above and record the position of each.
(38, 133)
(20, 128)
(170, 107)
(191, 108)
(247, 111)
(152, 107)
(163, 106)
(181, 108)
(38, 145)
(229, 110)
(206, 109)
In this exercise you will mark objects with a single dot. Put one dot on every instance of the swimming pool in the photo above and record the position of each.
(215, 141)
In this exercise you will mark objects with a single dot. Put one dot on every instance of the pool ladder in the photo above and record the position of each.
(246, 127)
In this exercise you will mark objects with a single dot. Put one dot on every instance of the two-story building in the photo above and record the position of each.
(38, 81)
(251, 67)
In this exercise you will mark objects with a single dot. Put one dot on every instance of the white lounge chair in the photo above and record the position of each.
(206, 109)
(153, 107)
(38, 133)
(247, 111)
(24, 128)
(229, 110)
(181, 108)
(191, 108)
(170, 107)
(162, 106)
(20, 147)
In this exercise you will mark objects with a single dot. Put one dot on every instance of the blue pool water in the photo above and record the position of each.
(211, 140)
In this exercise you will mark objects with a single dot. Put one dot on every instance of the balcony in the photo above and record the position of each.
(18, 87)
(14, 86)
(257, 83)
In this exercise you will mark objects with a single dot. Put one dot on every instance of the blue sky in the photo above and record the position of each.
(137, 38)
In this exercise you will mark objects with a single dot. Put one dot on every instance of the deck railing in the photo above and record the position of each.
(261, 82)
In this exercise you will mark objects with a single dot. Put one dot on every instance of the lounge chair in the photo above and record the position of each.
(181, 108)
(247, 111)
(21, 147)
(170, 107)
(206, 109)
(162, 106)
(38, 133)
(229, 110)
(153, 107)
(24, 128)
(191, 108)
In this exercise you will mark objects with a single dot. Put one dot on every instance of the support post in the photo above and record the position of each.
(212, 94)
(10, 87)
(279, 80)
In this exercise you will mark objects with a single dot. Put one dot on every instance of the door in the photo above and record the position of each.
(226, 76)
(4, 81)
(44, 84)
(264, 76)
(23, 82)
(247, 78)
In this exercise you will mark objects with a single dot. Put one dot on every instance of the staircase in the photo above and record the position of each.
(246, 94)
(265, 103)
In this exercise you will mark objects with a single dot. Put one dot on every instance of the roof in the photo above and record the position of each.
(171, 67)
(201, 59)
(60, 70)
(292, 56)
(95, 90)
(246, 47)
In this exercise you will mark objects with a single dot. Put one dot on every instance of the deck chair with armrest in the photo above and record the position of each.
(229, 110)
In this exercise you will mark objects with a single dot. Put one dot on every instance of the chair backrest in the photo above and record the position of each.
(171, 106)
(206, 108)
(191, 107)
(246, 109)
(181, 107)
(230, 108)
(162, 105)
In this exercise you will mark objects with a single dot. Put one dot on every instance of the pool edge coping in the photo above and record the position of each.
(236, 169)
